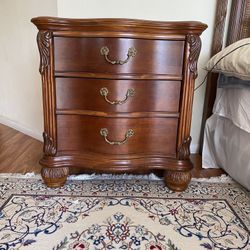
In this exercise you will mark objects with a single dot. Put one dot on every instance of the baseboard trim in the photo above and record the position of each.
(194, 148)
(20, 127)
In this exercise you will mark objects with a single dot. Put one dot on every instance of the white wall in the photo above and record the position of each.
(163, 10)
(20, 84)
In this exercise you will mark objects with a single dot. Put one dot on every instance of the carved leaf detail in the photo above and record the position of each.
(184, 149)
(49, 148)
(43, 41)
(195, 48)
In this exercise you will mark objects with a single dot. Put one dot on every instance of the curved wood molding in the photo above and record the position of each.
(116, 164)
(118, 25)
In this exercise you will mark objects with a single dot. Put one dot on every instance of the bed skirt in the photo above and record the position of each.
(227, 146)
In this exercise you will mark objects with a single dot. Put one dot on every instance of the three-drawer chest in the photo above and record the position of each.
(117, 96)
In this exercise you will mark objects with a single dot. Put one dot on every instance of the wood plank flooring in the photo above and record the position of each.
(20, 153)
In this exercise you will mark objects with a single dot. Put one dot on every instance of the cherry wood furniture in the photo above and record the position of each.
(238, 28)
(117, 96)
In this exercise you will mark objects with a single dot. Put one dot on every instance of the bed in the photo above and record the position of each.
(226, 118)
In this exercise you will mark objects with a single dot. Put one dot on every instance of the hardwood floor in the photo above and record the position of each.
(20, 153)
(199, 172)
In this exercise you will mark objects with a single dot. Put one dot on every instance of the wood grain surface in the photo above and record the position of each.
(152, 56)
(149, 95)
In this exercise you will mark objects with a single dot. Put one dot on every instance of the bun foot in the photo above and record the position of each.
(177, 180)
(55, 177)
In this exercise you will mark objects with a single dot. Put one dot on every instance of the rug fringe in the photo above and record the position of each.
(114, 177)
(222, 178)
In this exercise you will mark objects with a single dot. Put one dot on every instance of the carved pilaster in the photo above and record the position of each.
(44, 41)
(194, 52)
(184, 149)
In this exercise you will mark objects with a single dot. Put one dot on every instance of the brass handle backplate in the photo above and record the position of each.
(105, 52)
(104, 92)
(104, 132)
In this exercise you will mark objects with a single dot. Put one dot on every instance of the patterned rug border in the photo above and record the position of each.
(240, 200)
(133, 197)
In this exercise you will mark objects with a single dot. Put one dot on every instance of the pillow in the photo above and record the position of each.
(233, 60)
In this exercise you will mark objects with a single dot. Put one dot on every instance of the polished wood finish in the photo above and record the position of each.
(84, 94)
(83, 54)
(238, 28)
(161, 73)
(20, 153)
(82, 134)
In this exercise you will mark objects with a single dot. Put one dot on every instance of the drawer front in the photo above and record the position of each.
(79, 134)
(152, 56)
(117, 95)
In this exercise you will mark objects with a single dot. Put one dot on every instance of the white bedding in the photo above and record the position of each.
(227, 146)
(234, 104)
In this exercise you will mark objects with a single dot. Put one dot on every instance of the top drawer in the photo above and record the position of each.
(151, 56)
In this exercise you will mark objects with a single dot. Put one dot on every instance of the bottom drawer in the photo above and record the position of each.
(117, 135)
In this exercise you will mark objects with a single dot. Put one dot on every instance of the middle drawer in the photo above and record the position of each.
(117, 95)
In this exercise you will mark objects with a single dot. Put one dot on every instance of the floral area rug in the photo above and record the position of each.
(122, 214)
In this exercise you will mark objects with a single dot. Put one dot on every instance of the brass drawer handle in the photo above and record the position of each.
(104, 92)
(104, 132)
(105, 51)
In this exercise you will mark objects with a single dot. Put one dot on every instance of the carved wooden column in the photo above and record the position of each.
(179, 178)
(55, 176)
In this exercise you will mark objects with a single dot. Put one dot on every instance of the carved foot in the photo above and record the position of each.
(55, 177)
(177, 180)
